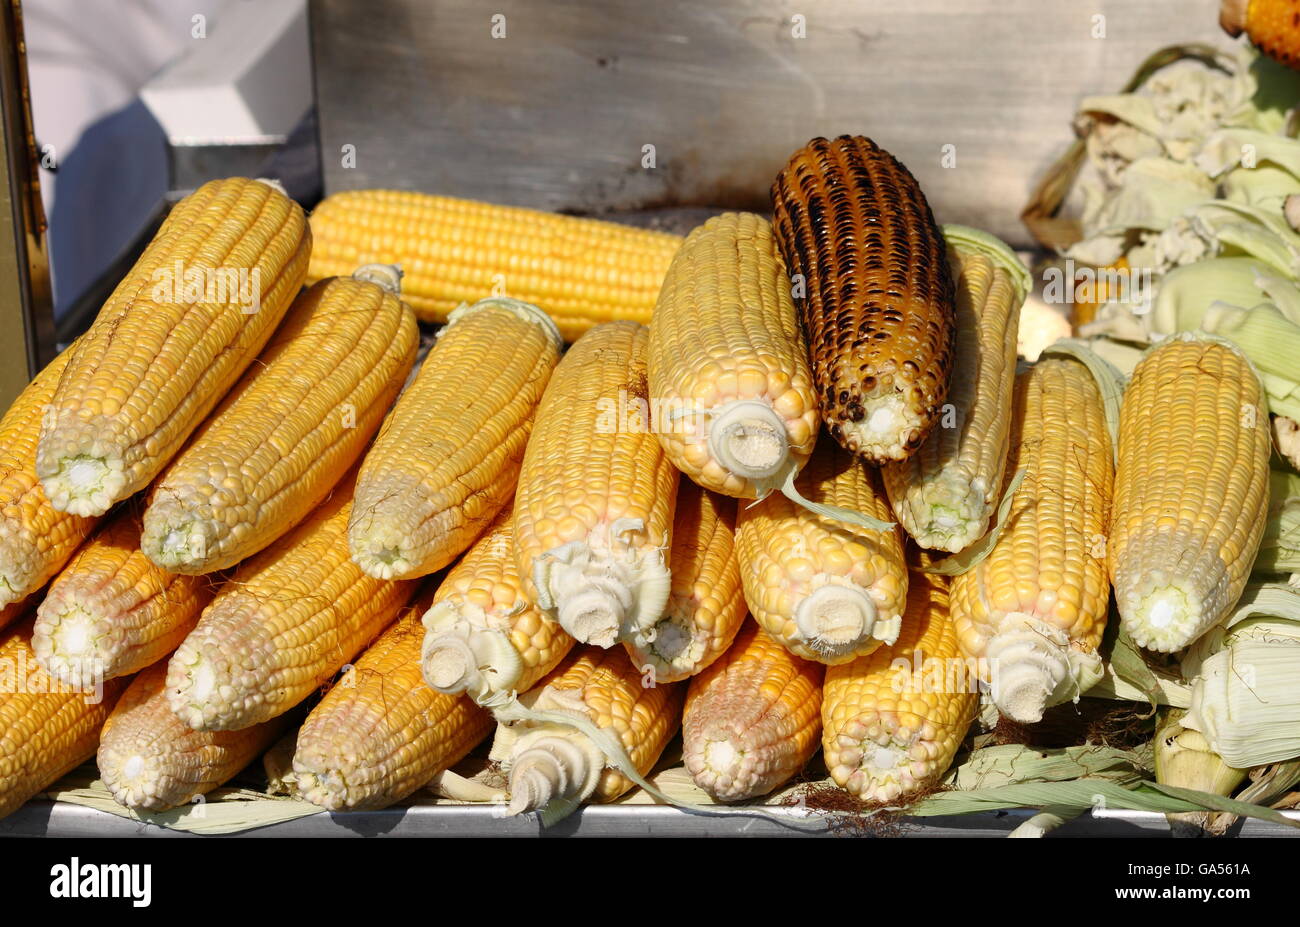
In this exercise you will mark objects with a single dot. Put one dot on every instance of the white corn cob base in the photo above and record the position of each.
(838, 617)
(467, 649)
(1035, 665)
(548, 763)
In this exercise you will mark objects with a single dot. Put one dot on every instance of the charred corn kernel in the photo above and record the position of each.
(448, 457)
(172, 339)
(111, 612)
(727, 363)
(581, 272)
(857, 233)
(752, 719)
(945, 494)
(892, 721)
(151, 761)
(550, 763)
(1031, 614)
(380, 733)
(826, 590)
(594, 509)
(36, 539)
(706, 605)
(46, 727)
(1191, 491)
(289, 618)
(300, 417)
(1273, 26)
(482, 635)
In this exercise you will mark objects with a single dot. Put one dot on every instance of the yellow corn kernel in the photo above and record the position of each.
(552, 763)
(299, 418)
(483, 636)
(1273, 26)
(1191, 491)
(111, 612)
(706, 604)
(151, 761)
(594, 508)
(581, 272)
(380, 733)
(1034, 610)
(36, 539)
(752, 719)
(827, 590)
(448, 457)
(49, 728)
(288, 619)
(727, 364)
(893, 720)
(876, 297)
(172, 339)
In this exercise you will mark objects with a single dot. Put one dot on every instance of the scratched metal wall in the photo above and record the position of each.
(556, 113)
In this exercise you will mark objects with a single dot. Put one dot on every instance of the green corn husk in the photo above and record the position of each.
(1271, 341)
(1183, 758)
(1279, 551)
(1244, 696)
(1186, 292)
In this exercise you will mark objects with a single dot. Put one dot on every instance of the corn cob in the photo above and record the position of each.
(827, 591)
(1273, 26)
(483, 636)
(281, 439)
(706, 604)
(893, 720)
(151, 761)
(111, 612)
(945, 493)
(289, 618)
(752, 718)
(594, 508)
(13, 611)
(36, 539)
(448, 457)
(1032, 613)
(380, 733)
(1191, 491)
(172, 339)
(552, 765)
(727, 361)
(873, 290)
(581, 272)
(46, 728)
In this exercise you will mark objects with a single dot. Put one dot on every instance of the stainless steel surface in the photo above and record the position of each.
(26, 306)
(52, 819)
(555, 114)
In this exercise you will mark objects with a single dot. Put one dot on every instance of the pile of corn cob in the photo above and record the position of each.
(811, 502)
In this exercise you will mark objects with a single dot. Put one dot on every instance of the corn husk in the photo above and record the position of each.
(1184, 758)
(1244, 697)
(1279, 551)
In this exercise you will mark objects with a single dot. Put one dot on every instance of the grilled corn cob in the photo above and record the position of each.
(380, 733)
(945, 493)
(1191, 491)
(893, 720)
(483, 636)
(1031, 614)
(553, 765)
(47, 728)
(1273, 26)
(151, 761)
(289, 618)
(297, 421)
(111, 612)
(874, 292)
(594, 508)
(581, 272)
(828, 591)
(36, 539)
(727, 362)
(448, 457)
(752, 718)
(175, 335)
(706, 604)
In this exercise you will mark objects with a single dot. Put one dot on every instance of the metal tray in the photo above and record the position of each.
(60, 819)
